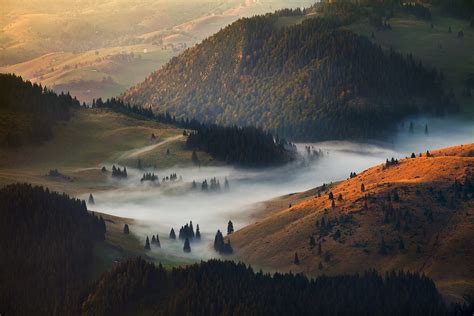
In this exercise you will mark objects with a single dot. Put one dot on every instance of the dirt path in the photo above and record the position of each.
(137, 152)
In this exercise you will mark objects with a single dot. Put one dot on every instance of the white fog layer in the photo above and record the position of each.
(173, 204)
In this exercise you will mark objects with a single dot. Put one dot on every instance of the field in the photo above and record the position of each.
(436, 228)
(91, 139)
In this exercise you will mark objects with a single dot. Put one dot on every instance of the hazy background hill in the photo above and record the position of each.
(98, 48)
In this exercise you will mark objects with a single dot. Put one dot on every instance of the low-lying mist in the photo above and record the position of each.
(157, 209)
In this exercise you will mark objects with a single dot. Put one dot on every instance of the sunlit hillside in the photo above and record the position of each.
(415, 214)
(99, 48)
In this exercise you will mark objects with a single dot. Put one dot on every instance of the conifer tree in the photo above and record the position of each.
(153, 240)
(147, 243)
(91, 199)
(362, 187)
(157, 241)
(331, 196)
(312, 242)
(296, 260)
(198, 233)
(187, 246)
(320, 266)
(126, 231)
(172, 234)
(195, 158)
(230, 228)
(320, 251)
(401, 244)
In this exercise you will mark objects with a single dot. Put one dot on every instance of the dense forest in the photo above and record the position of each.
(28, 111)
(46, 242)
(244, 146)
(310, 81)
(226, 288)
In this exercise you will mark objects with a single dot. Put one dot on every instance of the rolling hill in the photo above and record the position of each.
(413, 214)
(300, 74)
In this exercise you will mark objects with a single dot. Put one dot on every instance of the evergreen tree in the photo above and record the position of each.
(198, 233)
(153, 240)
(230, 228)
(320, 251)
(126, 231)
(296, 260)
(157, 241)
(320, 266)
(91, 199)
(172, 234)
(312, 242)
(401, 244)
(331, 196)
(362, 187)
(195, 158)
(187, 246)
(147, 243)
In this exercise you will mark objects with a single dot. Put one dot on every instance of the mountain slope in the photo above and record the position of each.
(312, 80)
(426, 202)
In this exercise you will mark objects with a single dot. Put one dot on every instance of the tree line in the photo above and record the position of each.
(228, 288)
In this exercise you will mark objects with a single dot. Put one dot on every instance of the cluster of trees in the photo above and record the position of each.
(46, 242)
(417, 10)
(310, 81)
(247, 146)
(29, 111)
(213, 185)
(227, 288)
(187, 232)
(149, 176)
(119, 173)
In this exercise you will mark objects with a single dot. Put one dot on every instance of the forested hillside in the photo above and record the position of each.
(227, 288)
(28, 111)
(309, 81)
(46, 242)
(244, 146)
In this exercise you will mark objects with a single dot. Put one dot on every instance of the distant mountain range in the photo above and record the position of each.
(312, 80)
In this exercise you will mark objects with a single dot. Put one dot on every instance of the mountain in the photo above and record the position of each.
(413, 214)
(312, 80)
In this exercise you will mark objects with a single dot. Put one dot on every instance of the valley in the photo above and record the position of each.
(238, 157)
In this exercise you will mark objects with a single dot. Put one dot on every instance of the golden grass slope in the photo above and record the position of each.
(442, 248)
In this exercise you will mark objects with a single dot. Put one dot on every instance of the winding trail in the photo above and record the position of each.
(137, 152)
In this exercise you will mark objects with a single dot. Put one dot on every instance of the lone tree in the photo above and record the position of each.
(230, 228)
(413, 155)
(296, 260)
(187, 246)
(147, 244)
(195, 158)
(126, 231)
(91, 199)
(157, 242)
(198, 233)
(172, 234)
